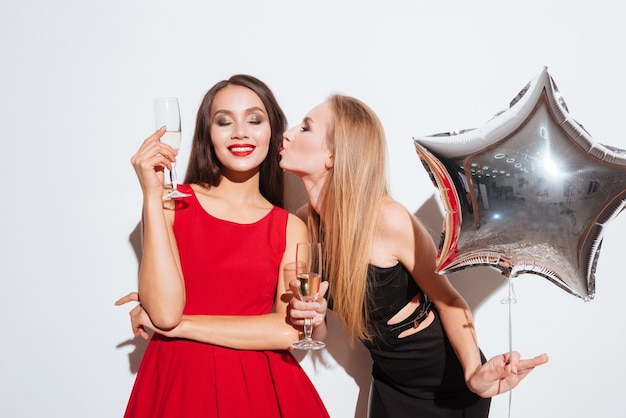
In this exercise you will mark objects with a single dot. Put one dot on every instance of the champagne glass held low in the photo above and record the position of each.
(309, 273)
(167, 113)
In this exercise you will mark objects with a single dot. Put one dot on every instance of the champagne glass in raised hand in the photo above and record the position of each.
(167, 113)
(309, 273)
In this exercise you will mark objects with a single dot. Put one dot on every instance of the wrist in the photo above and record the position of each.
(469, 375)
(153, 195)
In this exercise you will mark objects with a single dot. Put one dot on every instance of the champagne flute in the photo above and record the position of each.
(167, 113)
(309, 273)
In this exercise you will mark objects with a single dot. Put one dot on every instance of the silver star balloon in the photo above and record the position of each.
(528, 192)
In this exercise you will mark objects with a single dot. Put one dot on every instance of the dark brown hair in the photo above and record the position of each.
(204, 168)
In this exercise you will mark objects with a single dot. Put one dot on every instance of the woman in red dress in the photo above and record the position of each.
(212, 279)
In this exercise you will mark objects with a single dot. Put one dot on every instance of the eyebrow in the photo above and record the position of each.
(248, 110)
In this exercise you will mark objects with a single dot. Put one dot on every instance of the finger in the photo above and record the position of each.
(323, 306)
(323, 288)
(294, 286)
(131, 297)
(297, 317)
(153, 153)
(152, 146)
(541, 359)
(299, 305)
(295, 314)
(152, 139)
(318, 319)
(136, 315)
(156, 136)
(496, 368)
(141, 332)
(513, 361)
(533, 362)
(302, 310)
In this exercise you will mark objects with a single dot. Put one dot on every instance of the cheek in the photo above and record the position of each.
(219, 136)
(312, 150)
(306, 156)
(302, 146)
(263, 135)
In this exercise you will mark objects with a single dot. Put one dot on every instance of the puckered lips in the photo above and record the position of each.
(241, 150)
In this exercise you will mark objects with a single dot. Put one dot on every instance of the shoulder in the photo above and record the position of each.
(402, 231)
(295, 225)
(285, 214)
(397, 219)
(296, 232)
(390, 233)
(394, 217)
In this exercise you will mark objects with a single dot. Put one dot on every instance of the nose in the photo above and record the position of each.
(240, 131)
(288, 135)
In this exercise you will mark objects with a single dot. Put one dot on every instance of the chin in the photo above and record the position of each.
(282, 164)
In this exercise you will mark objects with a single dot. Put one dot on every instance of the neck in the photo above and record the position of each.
(238, 188)
(313, 187)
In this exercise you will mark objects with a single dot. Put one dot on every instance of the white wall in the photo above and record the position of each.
(76, 89)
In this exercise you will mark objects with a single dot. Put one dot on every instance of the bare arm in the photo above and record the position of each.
(261, 332)
(253, 332)
(417, 252)
(160, 279)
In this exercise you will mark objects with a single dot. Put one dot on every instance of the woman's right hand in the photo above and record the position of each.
(502, 373)
(299, 309)
(316, 310)
(150, 161)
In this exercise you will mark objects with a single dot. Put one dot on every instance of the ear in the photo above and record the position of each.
(330, 162)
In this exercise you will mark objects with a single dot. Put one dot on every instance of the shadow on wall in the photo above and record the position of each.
(475, 284)
(135, 356)
(295, 195)
(139, 344)
(355, 361)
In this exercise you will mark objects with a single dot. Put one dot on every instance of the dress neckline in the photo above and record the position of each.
(395, 266)
(261, 219)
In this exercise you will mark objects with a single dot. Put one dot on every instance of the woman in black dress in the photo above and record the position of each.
(380, 265)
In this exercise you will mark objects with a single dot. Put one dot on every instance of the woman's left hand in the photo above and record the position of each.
(139, 319)
(502, 373)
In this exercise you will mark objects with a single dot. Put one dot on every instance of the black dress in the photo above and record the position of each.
(418, 375)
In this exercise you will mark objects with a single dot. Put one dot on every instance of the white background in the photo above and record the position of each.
(77, 82)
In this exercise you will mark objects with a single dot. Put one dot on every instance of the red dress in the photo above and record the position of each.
(229, 269)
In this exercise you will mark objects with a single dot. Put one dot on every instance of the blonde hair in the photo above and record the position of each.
(349, 206)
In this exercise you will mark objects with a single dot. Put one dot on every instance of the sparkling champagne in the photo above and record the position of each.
(171, 138)
(309, 285)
